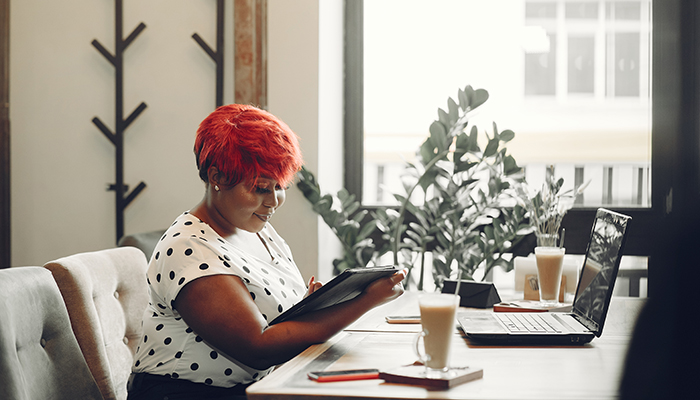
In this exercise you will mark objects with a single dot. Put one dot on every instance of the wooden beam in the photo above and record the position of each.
(250, 52)
(5, 231)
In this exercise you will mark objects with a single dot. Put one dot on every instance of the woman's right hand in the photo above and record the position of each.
(386, 289)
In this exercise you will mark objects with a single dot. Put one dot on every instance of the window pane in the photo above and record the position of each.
(624, 10)
(541, 9)
(536, 59)
(581, 74)
(626, 64)
(581, 10)
(540, 70)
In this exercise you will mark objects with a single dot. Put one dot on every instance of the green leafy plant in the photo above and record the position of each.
(461, 195)
(343, 215)
(458, 205)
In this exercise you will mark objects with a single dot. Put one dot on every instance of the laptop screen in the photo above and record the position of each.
(600, 267)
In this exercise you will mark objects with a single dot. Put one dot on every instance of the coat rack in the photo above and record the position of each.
(117, 137)
(218, 54)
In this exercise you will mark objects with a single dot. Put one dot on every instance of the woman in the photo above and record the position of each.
(220, 272)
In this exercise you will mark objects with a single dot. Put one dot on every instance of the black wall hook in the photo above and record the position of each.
(117, 137)
(218, 54)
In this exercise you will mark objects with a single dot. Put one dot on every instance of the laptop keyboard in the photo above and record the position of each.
(526, 323)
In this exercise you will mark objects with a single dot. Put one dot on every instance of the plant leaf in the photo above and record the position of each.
(510, 166)
(443, 117)
(367, 230)
(463, 99)
(491, 148)
(507, 135)
(453, 110)
(438, 135)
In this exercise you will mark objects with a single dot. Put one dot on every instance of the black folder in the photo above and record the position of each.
(346, 286)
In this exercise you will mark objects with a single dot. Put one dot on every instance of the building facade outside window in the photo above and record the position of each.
(571, 78)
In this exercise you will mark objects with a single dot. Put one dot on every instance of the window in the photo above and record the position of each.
(571, 78)
(621, 55)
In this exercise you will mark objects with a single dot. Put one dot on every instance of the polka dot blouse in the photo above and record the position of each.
(188, 250)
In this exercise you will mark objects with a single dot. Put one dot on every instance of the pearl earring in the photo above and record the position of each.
(216, 187)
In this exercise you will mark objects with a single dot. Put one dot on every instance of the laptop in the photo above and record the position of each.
(590, 306)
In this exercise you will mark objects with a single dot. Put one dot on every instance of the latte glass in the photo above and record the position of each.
(437, 314)
(550, 265)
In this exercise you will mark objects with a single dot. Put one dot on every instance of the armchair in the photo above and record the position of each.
(106, 294)
(39, 355)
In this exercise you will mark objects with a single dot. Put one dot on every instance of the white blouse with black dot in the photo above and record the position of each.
(188, 250)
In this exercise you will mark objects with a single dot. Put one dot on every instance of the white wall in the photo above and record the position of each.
(331, 112)
(62, 164)
(305, 90)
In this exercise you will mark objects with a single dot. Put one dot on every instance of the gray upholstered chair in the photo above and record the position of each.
(145, 241)
(106, 294)
(39, 355)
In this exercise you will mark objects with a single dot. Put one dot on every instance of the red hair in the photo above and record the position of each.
(245, 142)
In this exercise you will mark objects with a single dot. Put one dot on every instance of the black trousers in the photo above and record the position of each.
(156, 387)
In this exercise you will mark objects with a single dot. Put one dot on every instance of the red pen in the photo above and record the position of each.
(346, 375)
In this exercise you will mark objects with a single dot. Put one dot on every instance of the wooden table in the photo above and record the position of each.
(592, 371)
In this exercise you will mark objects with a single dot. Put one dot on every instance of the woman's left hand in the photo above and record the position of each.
(313, 286)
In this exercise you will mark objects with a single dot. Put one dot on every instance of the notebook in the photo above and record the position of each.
(346, 286)
(590, 306)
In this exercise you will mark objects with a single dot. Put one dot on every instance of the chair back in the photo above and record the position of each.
(145, 241)
(106, 294)
(39, 355)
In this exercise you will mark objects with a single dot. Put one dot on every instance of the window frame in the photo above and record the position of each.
(650, 226)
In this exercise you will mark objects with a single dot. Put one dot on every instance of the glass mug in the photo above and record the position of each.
(437, 314)
(550, 265)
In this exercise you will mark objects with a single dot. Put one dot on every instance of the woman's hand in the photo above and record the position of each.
(313, 286)
(386, 289)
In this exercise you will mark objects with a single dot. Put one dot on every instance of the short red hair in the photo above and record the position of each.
(245, 142)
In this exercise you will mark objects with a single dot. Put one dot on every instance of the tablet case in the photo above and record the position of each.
(474, 294)
(346, 286)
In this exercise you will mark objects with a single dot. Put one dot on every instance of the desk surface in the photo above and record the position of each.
(587, 372)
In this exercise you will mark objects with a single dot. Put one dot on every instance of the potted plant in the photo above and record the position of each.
(459, 202)
(547, 206)
(342, 214)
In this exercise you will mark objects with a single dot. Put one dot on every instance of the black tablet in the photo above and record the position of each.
(346, 286)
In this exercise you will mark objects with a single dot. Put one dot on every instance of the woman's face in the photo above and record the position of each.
(248, 207)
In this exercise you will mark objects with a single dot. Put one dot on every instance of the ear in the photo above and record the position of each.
(214, 176)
